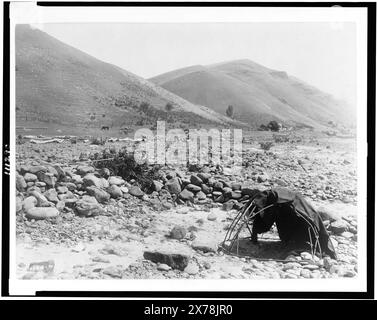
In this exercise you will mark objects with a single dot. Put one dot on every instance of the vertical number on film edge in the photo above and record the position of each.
(6, 159)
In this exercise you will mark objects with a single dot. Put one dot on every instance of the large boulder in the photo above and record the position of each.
(218, 186)
(201, 195)
(157, 185)
(83, 170)
(193, 188)
(204, 176)
(39, 213)
(87, 208)
(41, 199)
(196, 180)
(339, 226)
(51, 195)
(20, 183)
(29, 202)
(175, 260)
(186, 195)
(30, 177)
(206, 189)
(91, 180)
(36, 169)
(18, 204)
(115, 191)
(173, 186)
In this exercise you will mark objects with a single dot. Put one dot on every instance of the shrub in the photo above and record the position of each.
(169, 107)
(122, 163)
(144, 107)
(98, 141)
(279, 138)
(230, 111)
(266, 145)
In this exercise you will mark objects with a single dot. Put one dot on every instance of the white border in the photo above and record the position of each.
(30, 13)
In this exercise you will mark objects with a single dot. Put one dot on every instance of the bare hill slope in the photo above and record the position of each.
(56, 83)
(256, 92)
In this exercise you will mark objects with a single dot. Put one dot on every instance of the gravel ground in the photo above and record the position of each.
(77, 222)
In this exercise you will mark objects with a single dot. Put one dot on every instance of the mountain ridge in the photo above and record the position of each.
(257, 93)
(57, 83)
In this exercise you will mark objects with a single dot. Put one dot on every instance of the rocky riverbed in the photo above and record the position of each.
(78, 221)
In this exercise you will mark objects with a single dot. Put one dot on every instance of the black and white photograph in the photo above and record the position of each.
(188, 149)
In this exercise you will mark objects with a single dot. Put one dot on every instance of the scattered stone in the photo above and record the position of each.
(87, 209)
(163, 267)
(113, 272)
(100, 259)
(136, 191)
(29, 202)
(178, 233)
(305, 273)
(101, 195)
(36, 169)
(175, 260)
(195, 180)
(30, 177)
(306, 255)
(347, 235)
(186, 195)
(339, 226)
(192, 269)
(41, 199)
(212, 217)
(83, 170)
(113, 180)
(291, 265)
(227, 206)
(20, 183)
(91, 180)
(328, 263)
(193, 188)
(48, 178)
(173, 186)
(114, 191)
(203, 176)
(51, 195)
(60, 205)
(206, 189)
(124, 189)
(64, 189)
(18, 204)
(157, 185)
(236, 186)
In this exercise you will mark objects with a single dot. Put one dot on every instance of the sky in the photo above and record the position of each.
(321, 54)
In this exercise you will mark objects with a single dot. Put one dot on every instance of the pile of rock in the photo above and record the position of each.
(43, 191)
(204, 187)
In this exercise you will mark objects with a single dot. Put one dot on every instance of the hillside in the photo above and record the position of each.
(58, 84)
(257, 93)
